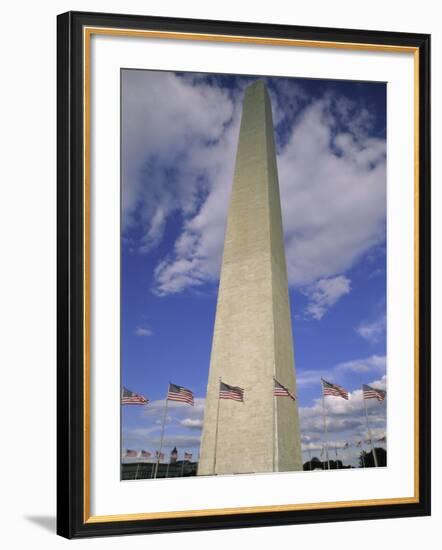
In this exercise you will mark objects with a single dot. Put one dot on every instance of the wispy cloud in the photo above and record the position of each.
(331, 172)
(342, 407)
(182, 427)
(168, 125)
(306, 378)
(370, 364)
(192, 423)
(324, 294)
(332, 179)
(178, 411)
(373, 332)
(142, 331)
(367, 364)
(345, 419)
(152, 441)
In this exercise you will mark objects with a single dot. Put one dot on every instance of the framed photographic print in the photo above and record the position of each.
(243, 274)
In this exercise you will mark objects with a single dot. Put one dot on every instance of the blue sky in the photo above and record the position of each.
(179, 136)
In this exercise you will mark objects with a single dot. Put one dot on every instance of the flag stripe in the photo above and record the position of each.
(231, 392)
(333, 389)
(373, 393)
(131, 453)
(129, 397)
(178, 393)
(281, 391)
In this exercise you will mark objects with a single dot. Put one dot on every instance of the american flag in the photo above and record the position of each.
(178, 393)
(159, 455)
(373, 393)
(333, 389)
(230, 392)
(146, 454)
(130, 453)
(131, 398)
(281, 391)
(187, 456)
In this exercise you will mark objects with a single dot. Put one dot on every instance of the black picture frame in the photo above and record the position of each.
(72, 520)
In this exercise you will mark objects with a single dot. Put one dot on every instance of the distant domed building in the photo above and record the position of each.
(173, 455)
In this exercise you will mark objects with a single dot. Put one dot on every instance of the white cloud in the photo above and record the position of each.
(142, 331)
(332, 193)
(179, 158)
(345, 419)
(131, 438)
(370, 364)
(183, 427)
(373, 332)
(140, 434)
(178, 411)
(324, 294)
(192, 423)
(310, 377)
(342, 407)
(366, 364)
(172, 137)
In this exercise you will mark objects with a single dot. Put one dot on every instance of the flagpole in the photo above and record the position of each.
(362, 455)
(369, 434)
(216, 430)
(274, 425)
(162, 436)
(337, 457)
(121, 432)
(325, 426)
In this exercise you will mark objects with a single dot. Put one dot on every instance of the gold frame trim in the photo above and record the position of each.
(87, 34)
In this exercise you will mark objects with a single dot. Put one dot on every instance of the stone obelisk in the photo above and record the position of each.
(252, 340)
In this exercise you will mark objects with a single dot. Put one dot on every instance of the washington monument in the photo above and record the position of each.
(252, 341)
